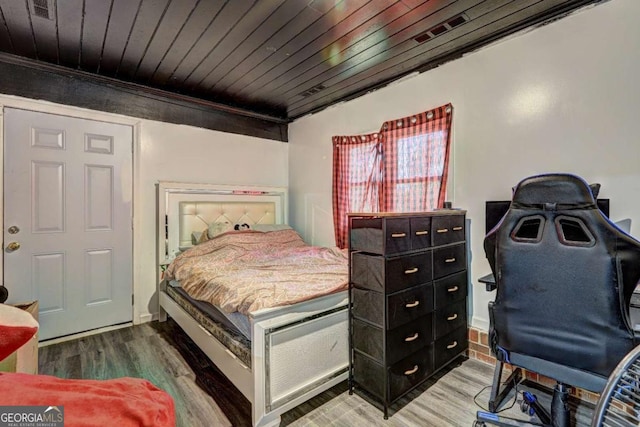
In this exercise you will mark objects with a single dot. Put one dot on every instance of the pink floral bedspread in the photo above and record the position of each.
(246, 271)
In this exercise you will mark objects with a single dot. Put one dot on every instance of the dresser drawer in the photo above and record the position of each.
(367, 271)
(402, 376)
(408, 305)
(390, 274)
(449, 260)
(366, 235)
(420, 232)
(391, 236)
(400, 342)
(397, 235)
(447, 229)
(368, 339)
(451, 317)
(407, 271)
(378, 236)
(450, 289)
(368, 305)
(410, 371)
(402, 306)
(450, 346)
(409, 338)
(369, 375)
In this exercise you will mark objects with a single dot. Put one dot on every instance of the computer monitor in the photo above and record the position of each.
(495, 210)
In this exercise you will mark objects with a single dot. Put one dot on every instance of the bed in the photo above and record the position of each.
(277, 357)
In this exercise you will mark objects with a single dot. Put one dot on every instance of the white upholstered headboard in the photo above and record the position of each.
(195, 216)
(185, 208)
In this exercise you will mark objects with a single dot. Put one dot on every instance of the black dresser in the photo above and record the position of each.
(407, 294)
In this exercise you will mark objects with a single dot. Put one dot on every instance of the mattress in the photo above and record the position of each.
(247, 271)
(233, 331)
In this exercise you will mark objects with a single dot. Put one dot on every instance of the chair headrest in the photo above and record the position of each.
(554, 191)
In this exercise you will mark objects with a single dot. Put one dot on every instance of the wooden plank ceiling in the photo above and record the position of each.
(277, 59)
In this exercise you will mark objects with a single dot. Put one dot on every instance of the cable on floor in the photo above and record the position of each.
(515, 398)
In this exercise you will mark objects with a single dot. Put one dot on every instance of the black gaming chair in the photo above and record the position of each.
(564, 277)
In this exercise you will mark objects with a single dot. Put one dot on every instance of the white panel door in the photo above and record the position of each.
(68, 219)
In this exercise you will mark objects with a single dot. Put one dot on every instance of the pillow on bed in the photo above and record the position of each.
(204, 236)
(270, 227)
(216, 228)
(196, 236)
(212, 231)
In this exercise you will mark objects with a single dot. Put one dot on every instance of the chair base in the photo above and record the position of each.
(497, 395)
(560, 414)
(483, 418)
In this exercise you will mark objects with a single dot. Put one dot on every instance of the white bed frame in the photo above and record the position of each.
(297, 351)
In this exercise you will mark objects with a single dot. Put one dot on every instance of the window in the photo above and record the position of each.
(403, 168)
(415, 179)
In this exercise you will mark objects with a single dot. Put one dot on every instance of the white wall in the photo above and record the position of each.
(186, 154)
(560, 98)
(168, 152)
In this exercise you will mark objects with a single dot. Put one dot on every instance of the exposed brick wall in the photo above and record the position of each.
(479, 346)
(479, 349)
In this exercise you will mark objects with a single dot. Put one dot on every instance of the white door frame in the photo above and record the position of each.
(7, 101)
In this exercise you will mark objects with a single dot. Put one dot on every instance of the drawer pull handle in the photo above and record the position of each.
(442, 230)
(421, 233)
(412, 371)
(457, 228)
(452, 345)
(450, 260)
(453, 317)
(412, 304)
(411, 271)
(398, 234)
(412, 338)
(453, 289)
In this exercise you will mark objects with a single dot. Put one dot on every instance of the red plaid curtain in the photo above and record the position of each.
(357, 179)
(416, 160)
(401, 169)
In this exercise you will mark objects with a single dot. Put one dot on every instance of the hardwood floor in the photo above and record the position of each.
(163, 354)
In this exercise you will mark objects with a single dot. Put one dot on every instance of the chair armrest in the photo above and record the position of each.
(489, 282)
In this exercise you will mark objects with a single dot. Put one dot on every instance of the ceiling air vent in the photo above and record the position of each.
(438, 30)
(422, 37)
(42, 8)
(458, 20)
(313, 90)
(441, 28)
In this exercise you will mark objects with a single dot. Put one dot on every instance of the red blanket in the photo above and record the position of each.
(118, 402)
(16, 328)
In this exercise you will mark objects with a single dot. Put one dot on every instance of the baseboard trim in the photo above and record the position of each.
(148, 317)
(83, 334)
(479, 323)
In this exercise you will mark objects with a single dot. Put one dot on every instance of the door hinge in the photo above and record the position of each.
(131, 299)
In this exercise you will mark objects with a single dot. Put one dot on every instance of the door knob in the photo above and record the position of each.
(13, 246)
